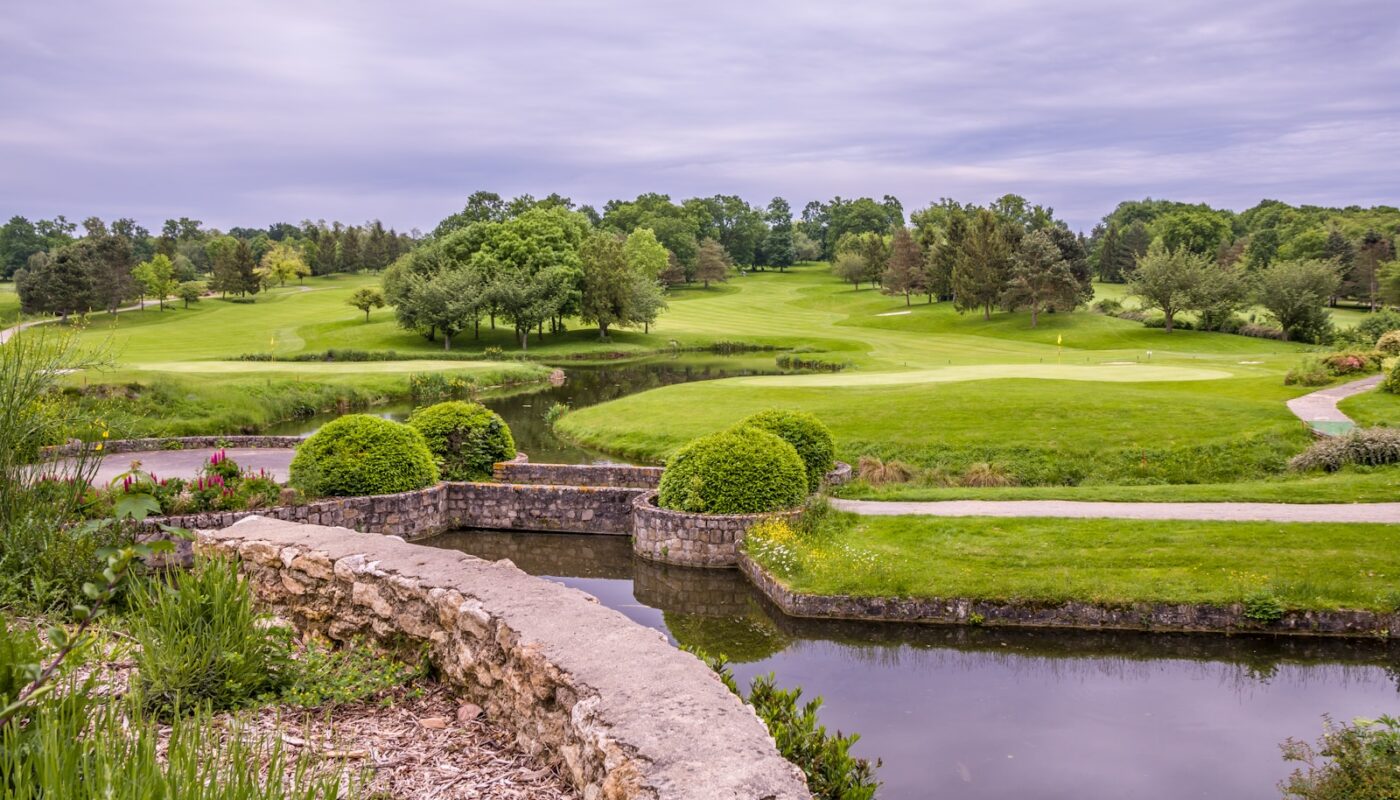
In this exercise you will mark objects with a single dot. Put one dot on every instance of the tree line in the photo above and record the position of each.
(60, 269)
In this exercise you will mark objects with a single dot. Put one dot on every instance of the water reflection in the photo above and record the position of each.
(958, 712)
(584, 385)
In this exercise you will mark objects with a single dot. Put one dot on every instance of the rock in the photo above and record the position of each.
(468, 712)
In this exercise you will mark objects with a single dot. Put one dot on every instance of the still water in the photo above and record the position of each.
(524, 409)
(976, 713)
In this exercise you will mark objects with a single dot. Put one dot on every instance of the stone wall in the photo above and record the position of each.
(617, 709)
(113, 446)
(841, 474)
(614, 475)
(692, 540)
(1127, 616)
(412, 515)
(522, 507)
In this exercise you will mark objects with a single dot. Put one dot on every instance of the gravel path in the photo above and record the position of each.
(1321, 406)
(7, 333)
(1232, 512)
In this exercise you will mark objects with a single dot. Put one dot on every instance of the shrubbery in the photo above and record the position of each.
(466, 439)
(807, 434)
(1320, 371)
(359, 454)
(740, 471)
(1365, 447)
(203, 644)
(1389, 343)
(1392, 379)
(1350, 762)
(1311, 371)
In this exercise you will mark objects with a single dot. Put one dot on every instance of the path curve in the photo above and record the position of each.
(188, 463)
(1319, 409)
(1228, 512)
(8, 333)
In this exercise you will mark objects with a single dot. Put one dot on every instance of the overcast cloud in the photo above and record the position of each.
(252, 112)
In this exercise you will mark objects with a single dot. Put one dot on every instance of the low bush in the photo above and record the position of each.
(984, 475)
(789, 361)
(202, 644)
(1389, 343)
(359, 454)
(1355, 761)
(1178, 324)
(466, 439)
(740, 471)
(875, 471)
(1311, 371)
(1107, 305)
(1369, 331)
(1353, 361)
(1364, 447)
(1392, 379)
(807, 434)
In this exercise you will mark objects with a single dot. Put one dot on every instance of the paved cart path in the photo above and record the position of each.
(7, 333)
(188, 463)
(1230, 512)
(1319, 409)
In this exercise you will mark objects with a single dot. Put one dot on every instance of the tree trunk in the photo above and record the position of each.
(1035, 315)
(366, 315)
(603, 331)
(446, 341)
(476, 328)
(493, 320)
(987, 313)
(1167, 325)
(523, 335)
(906, 300)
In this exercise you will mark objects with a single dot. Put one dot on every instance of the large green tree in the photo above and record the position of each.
(779, 247)
(1167, 280)
(982, 264)
(904, 269)
(1040, 278)
(1294, 292)
(157, 278)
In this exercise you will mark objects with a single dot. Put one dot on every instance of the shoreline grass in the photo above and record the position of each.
(1304, 566)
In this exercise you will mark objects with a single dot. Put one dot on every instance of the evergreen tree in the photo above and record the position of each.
(108, 260)
(58, 284)
(903, 271)
(1040, 278)
(245, 269)
(1133, 243)
(1109, 258)
(779, 248)
(19, 240)
(981, 266)
(942, 256)
(1375, 251)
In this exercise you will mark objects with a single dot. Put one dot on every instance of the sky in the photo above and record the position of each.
(253, 112)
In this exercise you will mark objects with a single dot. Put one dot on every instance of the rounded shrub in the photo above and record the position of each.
(739, 471)
(1389, 343)
(359, 454)
(807, 434)
(1391, 383)
(466, 439)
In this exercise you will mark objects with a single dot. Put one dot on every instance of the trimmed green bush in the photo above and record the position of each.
(359, 454)
(1392, 380)
(466, 439)
(1389, 343)
(739, 471)
(1371, 447)
(807, 434)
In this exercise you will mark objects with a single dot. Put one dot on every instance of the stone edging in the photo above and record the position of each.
(1183, 617)
(612, 704)
(692, 540)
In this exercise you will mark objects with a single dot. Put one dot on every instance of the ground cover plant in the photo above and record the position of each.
(360, 454)
(1296, 565)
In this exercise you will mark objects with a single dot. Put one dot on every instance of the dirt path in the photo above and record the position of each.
(1319, 409)
(1231, 512)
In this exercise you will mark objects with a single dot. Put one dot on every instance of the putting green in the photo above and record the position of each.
(312, 367)
(1107, 373)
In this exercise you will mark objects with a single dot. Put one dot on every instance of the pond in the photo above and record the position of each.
(960, 713)
(524, 409)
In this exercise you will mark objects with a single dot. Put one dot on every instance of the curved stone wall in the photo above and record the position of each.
(692, 540)
(620, 711)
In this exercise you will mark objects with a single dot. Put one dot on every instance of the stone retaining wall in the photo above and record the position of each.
(614, 475)
(180, 443)
(841, 474)
(522, 507)
(617, 709)
(1188, 617)
(692, 540)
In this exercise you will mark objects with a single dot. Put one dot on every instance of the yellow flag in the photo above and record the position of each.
(1059, 339)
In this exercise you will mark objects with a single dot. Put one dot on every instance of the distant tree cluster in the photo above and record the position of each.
(61, 270)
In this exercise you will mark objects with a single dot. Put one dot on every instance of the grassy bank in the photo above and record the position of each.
(162, 403)
(1373, 408)
(1301, 566)
(1378, 485)
(9, 304)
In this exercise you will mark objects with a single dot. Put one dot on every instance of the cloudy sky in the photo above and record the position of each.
(251, 112)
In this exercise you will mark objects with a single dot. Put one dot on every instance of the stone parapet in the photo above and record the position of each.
(615, 475)
(692, 540)
(617, 709)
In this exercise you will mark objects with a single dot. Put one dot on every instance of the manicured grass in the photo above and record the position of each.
(1373, 408)
(9, 304)
(1305, 566)
(1380, 485)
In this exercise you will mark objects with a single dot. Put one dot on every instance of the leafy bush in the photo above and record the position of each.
(1364, 447)
(1353, 361)
(1259, 331)
(222, 466)
(807, 434)
(1178, 324)
(19, 653)
(1389, 343)
(1356, 761)
(1392, 379)
(1107, 305)
(202, 644)
(359, 454)
(825, 759)
(1370, 330)
(466, 439)
(1311, 371)
(741, 471)
(1263, 607)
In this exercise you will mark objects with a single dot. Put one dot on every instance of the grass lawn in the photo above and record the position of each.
(1305, 566)
(1379, 485)
(9, 304)
(1373, 408)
